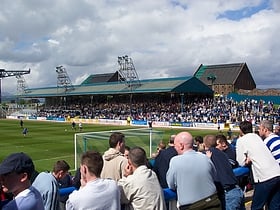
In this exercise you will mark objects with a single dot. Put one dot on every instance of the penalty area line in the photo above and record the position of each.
(54, 158)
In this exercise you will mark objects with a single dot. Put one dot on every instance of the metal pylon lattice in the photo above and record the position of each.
(21, 84)
(128, 72)
(63, 80)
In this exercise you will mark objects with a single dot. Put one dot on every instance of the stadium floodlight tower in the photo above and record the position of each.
(129, 75)
(21, 85)
(63, 81)
(10, 73)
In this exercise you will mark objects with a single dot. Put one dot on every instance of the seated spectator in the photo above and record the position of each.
(95, 192)
(140, 188)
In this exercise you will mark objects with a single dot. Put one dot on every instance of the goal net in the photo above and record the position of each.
(99, 141)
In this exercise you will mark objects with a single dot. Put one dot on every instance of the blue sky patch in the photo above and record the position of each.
(245, 12)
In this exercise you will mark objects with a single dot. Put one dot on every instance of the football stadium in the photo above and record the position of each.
(64, 121)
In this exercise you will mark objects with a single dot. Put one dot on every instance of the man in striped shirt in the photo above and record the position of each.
(271, 140)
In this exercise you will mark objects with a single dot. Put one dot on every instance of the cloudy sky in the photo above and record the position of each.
(164, 38)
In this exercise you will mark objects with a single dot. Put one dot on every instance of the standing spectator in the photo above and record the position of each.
(251, 150)
(192, 175)
(47, 184)
(140, 188)
(77, 179)
(229, 133)
(126, 151)
(66, 181)
(162, 160)
(271, 140)
(95, 193)
(277, 130)
(114, 160)
(223, 145)
(231, 195)
(198, 144)
(16, 171)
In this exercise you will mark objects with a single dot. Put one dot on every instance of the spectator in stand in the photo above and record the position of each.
(114, 160)
(95, 192)
(271, 140)
(162, 160)
(192, 174)
(231, 195)
(16, 171)
(277, 130)
(139, 187)
(251, 150)
(223, 145)
(47, 184)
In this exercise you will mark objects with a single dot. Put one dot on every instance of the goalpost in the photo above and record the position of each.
(147, 138)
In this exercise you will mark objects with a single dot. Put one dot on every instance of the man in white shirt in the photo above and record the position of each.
(251, 150)
(95, 192)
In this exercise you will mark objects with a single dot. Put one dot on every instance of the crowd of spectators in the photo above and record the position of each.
(192, 110)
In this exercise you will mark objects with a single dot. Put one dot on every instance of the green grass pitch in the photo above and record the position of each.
(47, 142)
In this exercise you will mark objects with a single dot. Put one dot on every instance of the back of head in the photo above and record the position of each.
(94, 161)
(209, 141)
(198, 139)
(137, 156)
(171, 140)
(19, 163)
(183, 142)
(267, 124)
(246, 127)
(61, 165)
(116, 138)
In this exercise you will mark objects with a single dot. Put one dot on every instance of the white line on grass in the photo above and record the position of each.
(54, 158)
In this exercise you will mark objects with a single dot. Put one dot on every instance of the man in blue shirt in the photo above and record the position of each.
(192, 175)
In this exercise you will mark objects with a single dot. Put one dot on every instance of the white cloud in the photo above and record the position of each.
(165, 38)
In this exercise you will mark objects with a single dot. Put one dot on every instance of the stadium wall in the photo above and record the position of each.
(193, 125)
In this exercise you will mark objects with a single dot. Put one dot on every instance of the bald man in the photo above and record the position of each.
(192, 175)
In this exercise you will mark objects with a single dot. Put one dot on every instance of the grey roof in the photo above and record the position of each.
(188, 84)
(99, 78)
(224, 73)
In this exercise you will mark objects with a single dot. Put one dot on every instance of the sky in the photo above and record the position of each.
(164, 38)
